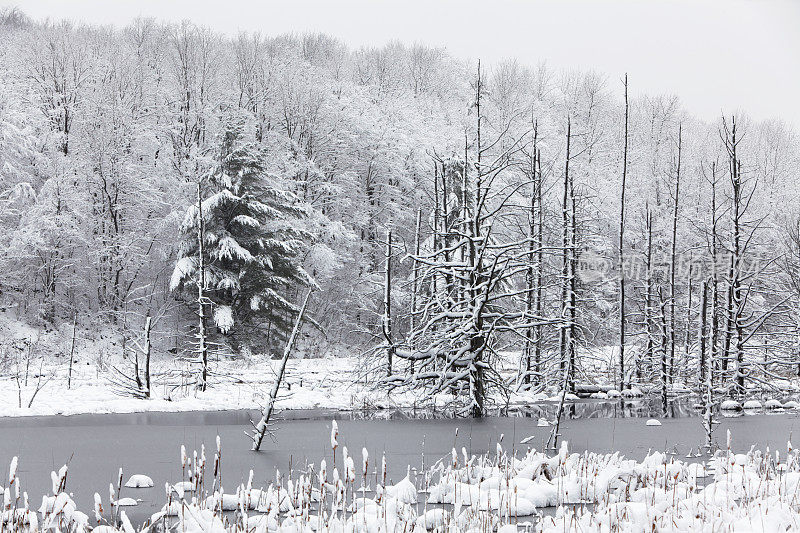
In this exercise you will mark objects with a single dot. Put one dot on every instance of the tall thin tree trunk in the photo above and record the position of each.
(688, 337)
(714, 338)
(478, 340)
(620, 250)
(573, 292)
(147, 350)
(387, 304)
(664, 345)
(436, 216)
(201, 298)
(530, 279)
(703, 334)
(72, 348)
(736, 264)
(648, 317)
(539, 266)
(565, 258)
(415, 279)
(673, 260)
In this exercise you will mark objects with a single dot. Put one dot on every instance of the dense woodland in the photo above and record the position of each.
(444, 213)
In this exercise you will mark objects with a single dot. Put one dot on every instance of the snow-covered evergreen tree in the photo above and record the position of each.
(252, 243)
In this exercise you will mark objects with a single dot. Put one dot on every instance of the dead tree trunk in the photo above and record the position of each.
(72, 349)
(530, 274)
(673, 260)
(147, 350)
(565, 260)
(387, 304)
(621, 257)
(688, 337)
(648, 303)
(260, 429)
(702, 336)
(539, 266)
(415, 280)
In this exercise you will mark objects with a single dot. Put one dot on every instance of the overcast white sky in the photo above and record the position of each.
(715, 54)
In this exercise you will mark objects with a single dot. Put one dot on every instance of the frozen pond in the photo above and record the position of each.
(96, 446)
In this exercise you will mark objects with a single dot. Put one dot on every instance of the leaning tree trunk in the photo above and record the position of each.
(260, 429)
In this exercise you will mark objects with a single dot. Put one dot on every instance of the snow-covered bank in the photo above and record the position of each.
(498, 491)
(236, 384)
(40, 382)
(242, 384)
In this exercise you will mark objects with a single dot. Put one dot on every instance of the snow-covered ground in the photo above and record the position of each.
(330, 382)
(37, 381)
(236, 384)
(323, 383)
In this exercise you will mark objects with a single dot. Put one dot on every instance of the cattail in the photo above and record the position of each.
(323, 471)
(12, 471)
(345, 456)
(350, 470)
(98, 508)
(127, 527)
(334, 435)
(365, 460)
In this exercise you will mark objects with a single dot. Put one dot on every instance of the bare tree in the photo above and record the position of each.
(260, 429)
(620, 250)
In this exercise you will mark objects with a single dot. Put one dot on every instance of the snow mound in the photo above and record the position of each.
(569, 397)
(404, 491)
(614, 393)
(653, 422)
(139, 481)
(183, 486)
(542, 423)
(731, 405)
(791, 404)
(773, 404)
(752, 404)
(126, 502)
(599, 396)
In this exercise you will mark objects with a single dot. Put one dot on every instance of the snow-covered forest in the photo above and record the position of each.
(467, 231)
